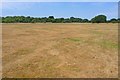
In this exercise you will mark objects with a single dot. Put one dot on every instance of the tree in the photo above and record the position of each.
(51, 17)
(44, 19)
(72, 19)
(33, 21)
(99, 19)
(66, 20)
(28, 19)
(118, 20)
(114, 20)
(85, 20)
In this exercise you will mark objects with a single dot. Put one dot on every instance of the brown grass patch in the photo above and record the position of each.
(60, 50)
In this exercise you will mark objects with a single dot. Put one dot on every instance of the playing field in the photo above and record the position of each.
(60, 50)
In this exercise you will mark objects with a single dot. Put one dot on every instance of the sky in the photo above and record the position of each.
(60, 0)
(60, 9)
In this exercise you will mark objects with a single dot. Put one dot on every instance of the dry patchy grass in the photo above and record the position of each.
(60, 50)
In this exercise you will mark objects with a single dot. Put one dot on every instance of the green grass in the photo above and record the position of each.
(108, 44)
(102, 43)
(73, 39)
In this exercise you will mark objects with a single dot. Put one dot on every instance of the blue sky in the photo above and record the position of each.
(60, 9)
(60, 0)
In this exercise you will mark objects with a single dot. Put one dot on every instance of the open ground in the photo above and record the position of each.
(60, 50)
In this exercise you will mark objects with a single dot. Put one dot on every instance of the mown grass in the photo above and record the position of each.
(108, 44)
(46, 28)
(23, 51)
(102, 43)
(74, 39)
(72, 68)
(77, 49)
(97, 32)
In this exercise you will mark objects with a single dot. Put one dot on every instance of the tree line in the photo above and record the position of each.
(51, 19)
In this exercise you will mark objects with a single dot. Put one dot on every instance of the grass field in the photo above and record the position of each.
(60, 50)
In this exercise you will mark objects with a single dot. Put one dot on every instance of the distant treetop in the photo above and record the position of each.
(51, 19)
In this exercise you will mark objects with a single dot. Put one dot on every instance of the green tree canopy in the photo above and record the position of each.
(99, 19)
(51, 19)
(114, 20)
